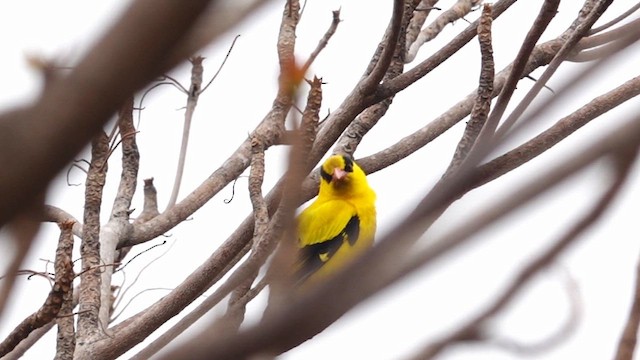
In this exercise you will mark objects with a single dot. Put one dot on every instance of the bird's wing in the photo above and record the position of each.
(323, 230)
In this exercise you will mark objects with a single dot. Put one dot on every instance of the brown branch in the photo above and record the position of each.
(51, 307)
(607, 37)
(73, 108)
(546, 14)
(367, 119)
(90, 280)
(556, 133)
(371, 81)
(629, 337)
(615, 21)
(587, 18)
(115, 229)
(403, 81)
(269, 131)
(322, 305)
(418, 19)
(192, 101)
(66, 341)
(482, 104)
(54, 214)
(541, 56)
(473, 330)
(22, 229)
(280, 223)
(323, 42)
(459, 10)
(236, 310)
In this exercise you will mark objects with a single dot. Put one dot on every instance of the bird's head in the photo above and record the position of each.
(339, 171)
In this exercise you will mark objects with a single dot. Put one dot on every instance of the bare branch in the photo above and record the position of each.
(403, 81)
(90, 279)
(482, 104)
(51, 306)
(459, 10)
(418, 19)
(615, 21)
(73, 108)
(629, 336)
(66, 341)
(192, 101)
(559, 131)
(546, 14)
(118, 225)
(280, 223)
(57, 215)
(473, 330)
(323, 42)
(578, 33)
(233, 43)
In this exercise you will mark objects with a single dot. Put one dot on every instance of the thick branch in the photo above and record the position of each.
(51, 306)
(90, 281)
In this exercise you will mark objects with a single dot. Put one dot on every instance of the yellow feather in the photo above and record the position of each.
(339, 224)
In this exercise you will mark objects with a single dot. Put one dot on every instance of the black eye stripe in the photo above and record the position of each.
(348, 164)
(325, 175)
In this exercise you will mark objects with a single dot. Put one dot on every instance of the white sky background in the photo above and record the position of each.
(395, 323)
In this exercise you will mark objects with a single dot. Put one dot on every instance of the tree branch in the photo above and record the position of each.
(51, 307)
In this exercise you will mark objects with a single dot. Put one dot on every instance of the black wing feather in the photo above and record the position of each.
(311, 256)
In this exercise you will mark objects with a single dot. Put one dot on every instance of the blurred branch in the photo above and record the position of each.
(73, 108)
(554, 339)
(474, 329)
(629, 337)
(22, 230)
(615, 21)
(280, 223)
(319, 307)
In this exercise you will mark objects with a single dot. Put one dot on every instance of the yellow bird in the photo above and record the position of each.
(339, 224)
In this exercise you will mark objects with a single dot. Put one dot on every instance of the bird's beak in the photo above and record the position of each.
(339, 174)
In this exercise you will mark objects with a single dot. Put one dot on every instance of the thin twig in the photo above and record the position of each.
(233, 43)
(323, 42)
(192, 101)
